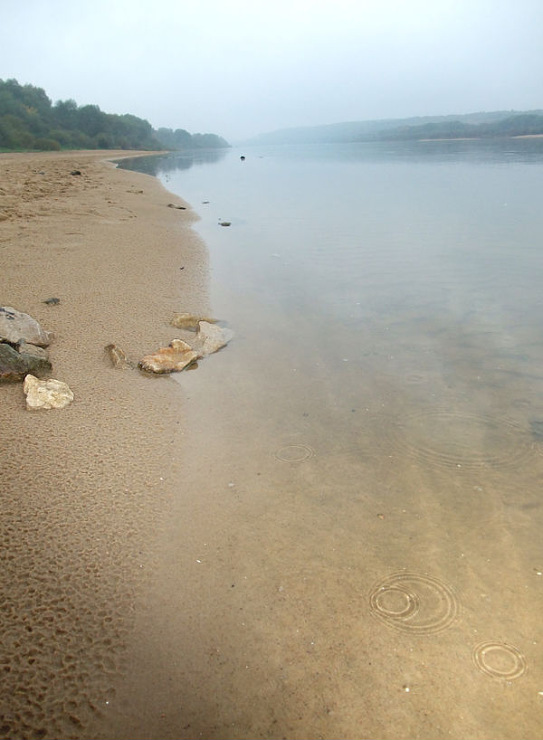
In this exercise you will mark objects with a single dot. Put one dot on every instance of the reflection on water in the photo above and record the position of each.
(161, 164)
(373, 447)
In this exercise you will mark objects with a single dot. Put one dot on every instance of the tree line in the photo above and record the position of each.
(29, 120)
(523, 124)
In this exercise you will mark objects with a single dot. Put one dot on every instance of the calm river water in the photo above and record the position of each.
(368, 451)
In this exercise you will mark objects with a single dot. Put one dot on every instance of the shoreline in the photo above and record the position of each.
(85, 489)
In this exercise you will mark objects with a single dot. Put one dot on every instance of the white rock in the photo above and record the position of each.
(210, 338)
(46, 394)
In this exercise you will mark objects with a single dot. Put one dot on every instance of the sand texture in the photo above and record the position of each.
(83, 490)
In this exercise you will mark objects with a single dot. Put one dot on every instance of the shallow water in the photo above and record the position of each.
(359, 530)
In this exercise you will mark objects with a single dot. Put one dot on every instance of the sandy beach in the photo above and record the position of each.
(85, 489)
(329, 529)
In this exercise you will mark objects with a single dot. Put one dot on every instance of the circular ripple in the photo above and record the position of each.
(460, 441)
(499, 660)
(414, 603)
(294, 453)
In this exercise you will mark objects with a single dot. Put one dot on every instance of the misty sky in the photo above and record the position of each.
(243, 67)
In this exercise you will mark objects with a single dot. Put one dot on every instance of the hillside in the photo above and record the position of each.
(452, 126)
(29, 120)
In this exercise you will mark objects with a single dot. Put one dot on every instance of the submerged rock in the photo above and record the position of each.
(170, 359)
(16, 327)
(210, 338)
(46, 394)
(189, 321)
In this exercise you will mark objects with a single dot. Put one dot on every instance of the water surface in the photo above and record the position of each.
(361, 522)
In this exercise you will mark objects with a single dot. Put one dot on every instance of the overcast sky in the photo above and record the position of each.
(243, 67)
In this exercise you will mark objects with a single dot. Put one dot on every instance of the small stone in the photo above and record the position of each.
(179, 208)
(52, 301)
(118, 358)
(189, 321)
(46, 394)
(225, 223)
(170, 359)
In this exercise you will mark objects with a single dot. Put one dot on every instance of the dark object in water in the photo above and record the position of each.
(225, 223)
(179, 208)
(52, 301)
(242, 158)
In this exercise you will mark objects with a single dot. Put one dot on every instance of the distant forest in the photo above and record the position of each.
(29, 120)
(467, 126)
(522, 124)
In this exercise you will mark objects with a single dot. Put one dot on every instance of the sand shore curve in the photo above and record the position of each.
(84, 489)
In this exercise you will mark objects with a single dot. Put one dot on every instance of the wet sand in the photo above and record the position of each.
(84, 489)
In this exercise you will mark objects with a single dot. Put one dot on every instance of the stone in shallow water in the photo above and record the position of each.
(170, 359)
(210, 338)
(189, 321)
(46, 394)
(16, 326)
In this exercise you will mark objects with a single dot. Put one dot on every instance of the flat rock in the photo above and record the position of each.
(210, 338)
(189, 321)
(46, 394)
(170, 359)
(15, 364)
(16, 327)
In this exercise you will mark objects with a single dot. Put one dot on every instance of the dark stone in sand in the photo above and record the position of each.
(179, 208)
(52, 301)
(15, 365)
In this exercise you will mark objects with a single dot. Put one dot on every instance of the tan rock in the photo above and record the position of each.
(118, 358)
(189, 321)
(210, 338)
(170, 359)
(46, 394)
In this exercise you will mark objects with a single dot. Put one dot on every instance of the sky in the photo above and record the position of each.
(238, 68)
